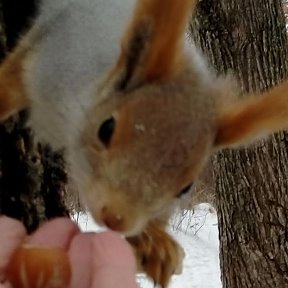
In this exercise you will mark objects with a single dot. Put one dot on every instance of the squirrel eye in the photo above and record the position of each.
(106, 131)
(185, 190)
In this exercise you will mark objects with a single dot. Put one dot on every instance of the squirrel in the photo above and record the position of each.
(137, 109)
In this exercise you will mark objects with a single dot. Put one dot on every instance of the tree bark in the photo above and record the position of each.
(17, 17)
(249, 38)
(32, 177)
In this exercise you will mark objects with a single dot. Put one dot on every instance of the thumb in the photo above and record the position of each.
(114, 263)
(102, 260)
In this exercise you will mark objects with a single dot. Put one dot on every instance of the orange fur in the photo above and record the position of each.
(264, 114)
(12, 92)
(166, 122)
(163, 24)
(158, 261)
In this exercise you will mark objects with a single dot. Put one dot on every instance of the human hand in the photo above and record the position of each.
(103, 260)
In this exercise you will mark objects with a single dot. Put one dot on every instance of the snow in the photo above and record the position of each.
(197, 232)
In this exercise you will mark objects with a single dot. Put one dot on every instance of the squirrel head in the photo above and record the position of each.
(145, 148)
(157, 116)
(152, 125)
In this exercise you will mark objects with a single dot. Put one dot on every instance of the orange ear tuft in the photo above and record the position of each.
(12, 89)
(254, 117)
(153, 43)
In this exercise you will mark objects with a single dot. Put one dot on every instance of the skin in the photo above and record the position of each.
(97, 260)
(170, 115)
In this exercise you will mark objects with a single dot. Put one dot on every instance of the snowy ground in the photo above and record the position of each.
(198, 234)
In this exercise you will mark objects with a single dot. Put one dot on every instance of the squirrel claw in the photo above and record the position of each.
(157, 254)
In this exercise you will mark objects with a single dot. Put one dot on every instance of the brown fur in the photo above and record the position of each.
(257, 115)
(152, 48)
(166, 37)
(151, 256)
(12, 92)
(168, 122)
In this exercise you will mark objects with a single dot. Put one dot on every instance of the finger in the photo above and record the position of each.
(43, 258)
(5, 285)
(80, 254)
(113, 262)
(56, 233)
(12, 233)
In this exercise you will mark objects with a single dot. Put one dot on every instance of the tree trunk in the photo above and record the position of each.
(32, 177)
(249, 38)
(17, 17)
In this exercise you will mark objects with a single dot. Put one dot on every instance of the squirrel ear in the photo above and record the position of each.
(152, 46)
(12, 88)
(254, 117)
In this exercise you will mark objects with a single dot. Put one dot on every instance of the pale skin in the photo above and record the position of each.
(102, 260)
(152, 123)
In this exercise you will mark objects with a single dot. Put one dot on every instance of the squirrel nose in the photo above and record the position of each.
(113, 221)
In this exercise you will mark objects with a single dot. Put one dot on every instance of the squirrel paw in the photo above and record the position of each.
(157, 254)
